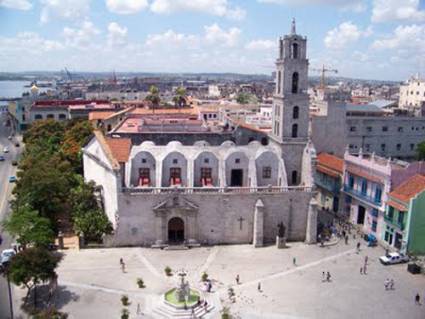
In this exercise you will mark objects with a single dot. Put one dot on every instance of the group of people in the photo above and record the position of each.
(326, 276)
(389, 284)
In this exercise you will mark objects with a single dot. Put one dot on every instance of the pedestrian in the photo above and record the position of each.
(346, 239)
(343, 233)
(366, 260)
(121, 261)
(358, 247)
(328, 276)
(391, 284)
(209, 286)
(294, 261)
(123, 267)
(138, 309)
(417, 299)
(323, 276)
(205, 305)
(386, 283)
(364, 269)
(237, 279)
(259, 287)
(361, 270)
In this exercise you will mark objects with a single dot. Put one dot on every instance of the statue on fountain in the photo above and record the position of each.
(183, 289)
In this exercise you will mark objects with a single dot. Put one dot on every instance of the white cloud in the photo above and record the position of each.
(170, 38)
(117, 35)
(403, 38)
(64, 9)
(261, 45)
(346, 5)
(126, 6)
(360, 56)
(28, 42)
(16, 4)
(220, 8)
(346, 33)
(216, 35)
(80, 38)
(388, 10)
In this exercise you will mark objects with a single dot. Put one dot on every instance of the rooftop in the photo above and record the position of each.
(330, 164)
(409, 188)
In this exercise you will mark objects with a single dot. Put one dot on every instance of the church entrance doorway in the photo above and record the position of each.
(175, 230)
(236, 178)
(360, 215)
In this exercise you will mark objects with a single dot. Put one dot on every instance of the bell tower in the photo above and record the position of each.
(290, 119)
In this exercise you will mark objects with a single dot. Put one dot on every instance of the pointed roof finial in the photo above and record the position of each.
(293, 27)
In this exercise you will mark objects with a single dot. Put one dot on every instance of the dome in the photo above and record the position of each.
(34, 89)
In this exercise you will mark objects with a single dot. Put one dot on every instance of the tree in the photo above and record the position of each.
(29, 228)
(33, 266)
(88, 217)
(420, 151)
(180, 98)
(45, 136)
(153, 95)
(246, 98)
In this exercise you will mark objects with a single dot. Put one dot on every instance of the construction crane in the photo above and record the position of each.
(68, 74)
(323, 72)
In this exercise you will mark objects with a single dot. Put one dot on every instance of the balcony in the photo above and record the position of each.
(396, 223)
(363, 197)
(333, 187)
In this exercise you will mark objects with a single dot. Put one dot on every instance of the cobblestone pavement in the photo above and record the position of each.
(91, 281)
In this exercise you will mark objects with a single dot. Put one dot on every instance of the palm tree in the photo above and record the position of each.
(180, 98)
(153, 96)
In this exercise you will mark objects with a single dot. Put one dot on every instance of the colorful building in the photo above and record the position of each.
(404, 219)
(328, 179)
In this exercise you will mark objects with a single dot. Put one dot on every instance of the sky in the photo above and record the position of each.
(369, 39)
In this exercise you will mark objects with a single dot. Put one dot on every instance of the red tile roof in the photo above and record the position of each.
(396, 205)
(120, 148)
(409, 188)
(100, 115)
(330, 164)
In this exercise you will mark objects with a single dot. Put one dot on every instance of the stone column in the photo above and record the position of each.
(258, 238)
(311, 230)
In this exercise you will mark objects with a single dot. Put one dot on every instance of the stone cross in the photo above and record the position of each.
(240, 220)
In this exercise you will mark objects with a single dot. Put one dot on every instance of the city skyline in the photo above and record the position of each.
(362, 39)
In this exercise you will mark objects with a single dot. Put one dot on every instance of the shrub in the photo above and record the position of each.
(124, 300)
(204, 276)
(125, 314)
(225, 313)
(168, 271)
(140, 283)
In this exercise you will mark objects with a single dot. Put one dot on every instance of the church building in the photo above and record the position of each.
(169, 179)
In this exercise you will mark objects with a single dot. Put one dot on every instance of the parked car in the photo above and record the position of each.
(393, 258)
(6, 256)
(5, 150)
(9, 137)
(12, 179)
(1, 158)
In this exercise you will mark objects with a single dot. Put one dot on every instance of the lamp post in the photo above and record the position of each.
(10, 295)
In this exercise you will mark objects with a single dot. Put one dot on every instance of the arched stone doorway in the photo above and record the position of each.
(175, 230)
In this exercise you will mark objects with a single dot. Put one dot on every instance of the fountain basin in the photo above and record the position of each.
(171, 299)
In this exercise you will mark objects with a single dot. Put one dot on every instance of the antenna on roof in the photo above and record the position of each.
(293, 27)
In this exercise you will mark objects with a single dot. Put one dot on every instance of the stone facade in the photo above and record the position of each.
(184, 189)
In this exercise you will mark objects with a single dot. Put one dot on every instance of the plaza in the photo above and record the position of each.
(91, 282)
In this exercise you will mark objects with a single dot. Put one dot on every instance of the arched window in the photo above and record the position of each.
(279, 79)
(295, 112)
(264, 141)
(294, 50)
(294, 177)
(294, 130)
(295, 82)
(38, 117)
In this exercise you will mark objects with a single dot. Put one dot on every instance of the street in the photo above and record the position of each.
(6, 170)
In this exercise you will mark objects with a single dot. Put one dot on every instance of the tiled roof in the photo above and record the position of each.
(409, 188)
(93, 116)
(330, 162)
(120, 148)
(397, 205)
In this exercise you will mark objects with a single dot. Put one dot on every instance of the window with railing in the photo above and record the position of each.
(350, 182)
(378, 195)
(390, 213)
(364, 187)
(374, 212)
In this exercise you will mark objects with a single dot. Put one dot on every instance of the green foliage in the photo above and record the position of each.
(140, 283)
(50, 313)
(29, 227)
(168, 271)
(153, 95)
(180, 98)
(246, 98)
(420, 151)
(204, 276)
(33, 266)
(88, 218)
(225, 313)
(44, 136)
(125, 314)
(124, 300)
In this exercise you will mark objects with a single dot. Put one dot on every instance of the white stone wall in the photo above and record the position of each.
(217, 221)
(98, 169)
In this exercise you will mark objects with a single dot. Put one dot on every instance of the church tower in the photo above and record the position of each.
(290, 127)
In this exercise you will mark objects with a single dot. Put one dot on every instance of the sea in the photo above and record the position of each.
(14, 89)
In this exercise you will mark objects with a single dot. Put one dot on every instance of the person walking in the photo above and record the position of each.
(259, 287)
(366, 260)
(294, 261)
(392, 284)
(323, 276)
(386, 283)
(237, 279)
(346, 239)
(358, 247)
(418, 299)
(361, 270)
(364, 270)
(328, 276)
